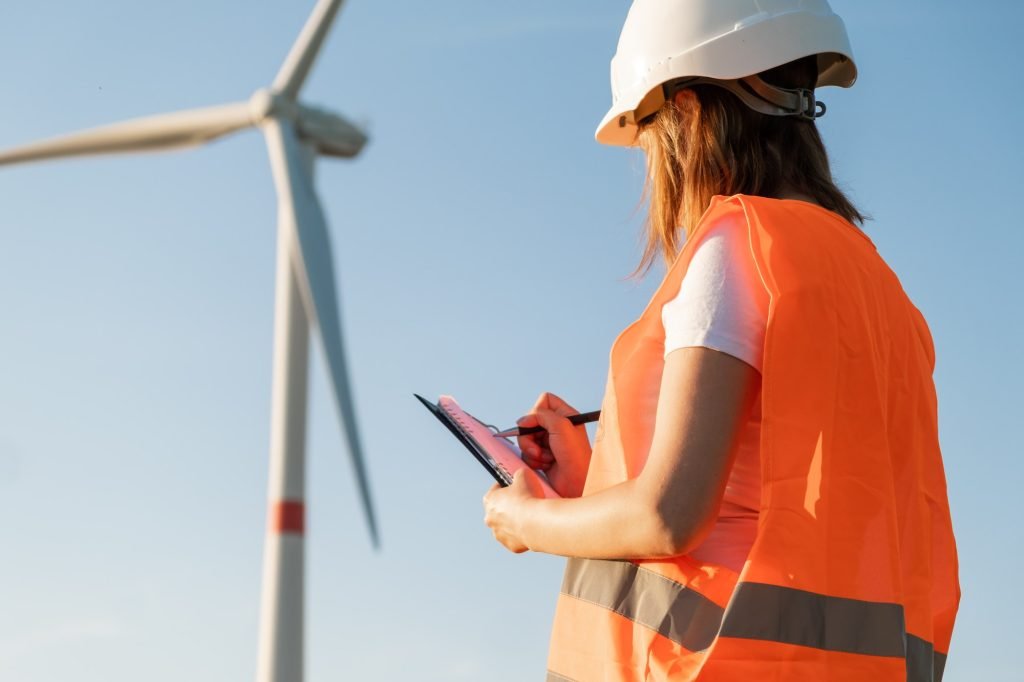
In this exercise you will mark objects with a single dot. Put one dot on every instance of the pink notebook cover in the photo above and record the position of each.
(502, 452)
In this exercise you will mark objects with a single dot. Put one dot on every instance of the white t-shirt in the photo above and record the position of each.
(723, 304)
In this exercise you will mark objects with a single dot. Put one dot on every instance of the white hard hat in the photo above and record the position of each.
(722, 40)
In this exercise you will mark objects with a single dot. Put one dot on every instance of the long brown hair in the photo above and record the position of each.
(711, 143)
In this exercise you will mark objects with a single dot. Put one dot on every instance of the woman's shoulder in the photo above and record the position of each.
(724, 219)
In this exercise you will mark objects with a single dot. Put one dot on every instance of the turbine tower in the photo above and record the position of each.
(305, 295)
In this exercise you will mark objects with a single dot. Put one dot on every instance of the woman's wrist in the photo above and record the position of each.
(527, 515)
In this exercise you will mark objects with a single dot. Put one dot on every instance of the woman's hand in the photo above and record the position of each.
(562, 450)
(504, 509)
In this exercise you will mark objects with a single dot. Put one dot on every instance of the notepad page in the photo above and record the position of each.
(503, 453)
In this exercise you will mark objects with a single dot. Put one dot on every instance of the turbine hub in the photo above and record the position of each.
(264, 104)
(261, 105)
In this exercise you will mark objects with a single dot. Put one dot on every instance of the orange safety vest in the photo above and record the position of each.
(853, 574)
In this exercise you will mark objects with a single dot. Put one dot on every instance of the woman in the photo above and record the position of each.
(765, 496)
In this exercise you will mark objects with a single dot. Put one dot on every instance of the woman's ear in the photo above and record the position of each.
(683, 98)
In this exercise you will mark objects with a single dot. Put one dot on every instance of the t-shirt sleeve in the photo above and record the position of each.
(722, 303)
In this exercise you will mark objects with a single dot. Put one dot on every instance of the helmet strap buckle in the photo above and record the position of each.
(775, 100)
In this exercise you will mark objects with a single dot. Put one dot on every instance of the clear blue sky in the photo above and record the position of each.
(482, 242)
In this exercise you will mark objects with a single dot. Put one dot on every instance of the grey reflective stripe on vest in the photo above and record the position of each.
(940, 665)
(673, 611)
(923, 662)
(756, 611)
(759, 611)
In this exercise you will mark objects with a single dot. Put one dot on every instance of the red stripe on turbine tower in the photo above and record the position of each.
(288, 516)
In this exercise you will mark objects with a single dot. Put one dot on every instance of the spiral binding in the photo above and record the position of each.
(458, 420)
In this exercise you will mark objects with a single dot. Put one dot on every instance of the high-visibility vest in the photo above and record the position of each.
(853, 573)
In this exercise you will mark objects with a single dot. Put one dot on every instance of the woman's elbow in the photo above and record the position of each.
(678, 530)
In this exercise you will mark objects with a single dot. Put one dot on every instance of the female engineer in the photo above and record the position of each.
(765, 496)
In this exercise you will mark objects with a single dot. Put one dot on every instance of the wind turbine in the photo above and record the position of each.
(305, 294)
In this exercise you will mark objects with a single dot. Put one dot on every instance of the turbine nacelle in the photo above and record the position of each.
(328, 132)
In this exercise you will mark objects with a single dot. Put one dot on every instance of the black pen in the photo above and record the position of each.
(576, 420)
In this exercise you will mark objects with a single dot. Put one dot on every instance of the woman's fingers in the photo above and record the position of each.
(550, 401)
(533, 443)
(554, 424)
(535, 454)
(542, 462)
(550, 413)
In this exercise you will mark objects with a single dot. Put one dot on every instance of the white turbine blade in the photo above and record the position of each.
(166, 131)
(300, 60)
(300, 211)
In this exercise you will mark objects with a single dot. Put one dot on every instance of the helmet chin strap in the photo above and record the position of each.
(760, 96)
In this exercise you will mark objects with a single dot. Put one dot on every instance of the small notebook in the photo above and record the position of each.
(498, 455)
